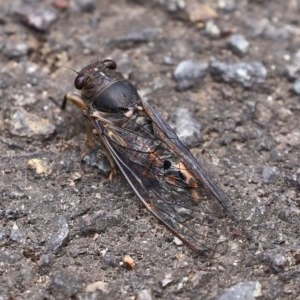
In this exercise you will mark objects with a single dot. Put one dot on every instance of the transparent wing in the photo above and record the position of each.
(177, 146)
(169, 180)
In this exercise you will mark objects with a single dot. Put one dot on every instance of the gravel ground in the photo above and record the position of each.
(226, 76)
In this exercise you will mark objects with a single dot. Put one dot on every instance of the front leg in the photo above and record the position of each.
(113, 168)
(90, 141)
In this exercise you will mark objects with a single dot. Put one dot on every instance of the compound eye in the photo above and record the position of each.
(79, 81)
(110, 64)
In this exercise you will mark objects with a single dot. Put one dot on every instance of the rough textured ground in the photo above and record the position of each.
(65, 229)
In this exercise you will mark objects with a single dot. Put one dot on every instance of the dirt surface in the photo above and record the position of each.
(66, 231)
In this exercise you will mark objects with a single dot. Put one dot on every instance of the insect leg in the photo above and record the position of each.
(76, 100)
(113, 168)
(90, 143)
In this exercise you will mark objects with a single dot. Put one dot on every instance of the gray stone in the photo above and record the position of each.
(189, 72)
(38, 18)
(187, 127)
(238, 44)
(247, 74)
(25, 124)
(65, 285)
(144, 295)
(59, 235)
(270, 174)
(296, 86)
(242, 290)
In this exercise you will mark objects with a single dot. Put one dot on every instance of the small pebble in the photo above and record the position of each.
(25, 124)
(144, 35)
(292, 69)
(109, 259)
(15, 234)
(187, 127)
(45, 263)
(76, 251)
(182, 283)
(279, 262)
(189, 72)
(38, 18)
(96, 159)
(246, 74)
(2, 235)
(284, 114)
(292, 138)
(142, 227)
(65, 285)
(129, 262)
(266, 143)
(242, 290)
(17, 195)
(13, 49)
(296, 254)
(275, 155)
(296, 86)
(198, 12)
(168, 60)
(212, 30)
(11, 214)
(144, 295)
(289, 213)
(270, 174)
(227, 5)
(25, 97)
(238, 44)
(86, 5)
(199, 277)
(177, 241)
(93, 223)
(167, 280)
(266, 29)
(97, 286)
(61, 4)
(6, 80)
(60, 232)
(277, 33)
(38, 165)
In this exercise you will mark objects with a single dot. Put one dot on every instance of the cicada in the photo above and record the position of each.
(160, 169)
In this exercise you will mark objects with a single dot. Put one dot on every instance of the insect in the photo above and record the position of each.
(160, 169)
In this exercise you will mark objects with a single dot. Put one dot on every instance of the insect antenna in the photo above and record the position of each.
(67, 67)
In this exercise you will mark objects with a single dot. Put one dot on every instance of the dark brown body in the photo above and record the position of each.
(160, 169)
